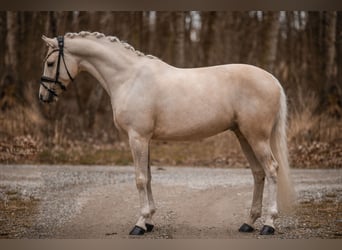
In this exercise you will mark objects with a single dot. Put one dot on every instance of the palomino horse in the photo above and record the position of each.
(153, 100)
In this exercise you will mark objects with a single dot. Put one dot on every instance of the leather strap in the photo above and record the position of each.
(56, 81)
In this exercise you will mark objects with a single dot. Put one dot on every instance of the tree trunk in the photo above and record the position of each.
(339, 49)
(9, 79)
(11, 55)
(149, 25)
(330, 45)
(53, 23)
(3, 29)
(315, 63)
(332, 94)
(179, 47)
(163, 40)
(271, 40)
(339, 60)
(207, 34)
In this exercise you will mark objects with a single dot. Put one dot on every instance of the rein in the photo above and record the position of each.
(56, 80)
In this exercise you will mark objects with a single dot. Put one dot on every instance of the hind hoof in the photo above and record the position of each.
(149, 227)
(245, 228)
(267, 230)
(137, 231)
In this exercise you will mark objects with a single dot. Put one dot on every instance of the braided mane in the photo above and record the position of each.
(113, 39)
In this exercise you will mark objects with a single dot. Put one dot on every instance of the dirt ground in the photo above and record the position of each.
(53, 201)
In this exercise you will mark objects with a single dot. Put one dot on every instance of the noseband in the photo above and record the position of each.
(55, 80)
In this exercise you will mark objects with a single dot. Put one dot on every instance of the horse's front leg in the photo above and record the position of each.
(140, 151)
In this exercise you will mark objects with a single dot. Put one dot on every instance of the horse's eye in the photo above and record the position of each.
(50, 64)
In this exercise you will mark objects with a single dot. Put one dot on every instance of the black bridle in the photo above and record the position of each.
(55, 80)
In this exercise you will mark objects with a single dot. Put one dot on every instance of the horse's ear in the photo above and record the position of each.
(49, 42)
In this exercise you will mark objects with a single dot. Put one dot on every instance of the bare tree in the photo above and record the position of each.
(332, 92)
(270, 40)
(339, 48)
(163, 38)
(11, 42)
(9, 79)
(330, 45)
(179, 46)
(207, 32)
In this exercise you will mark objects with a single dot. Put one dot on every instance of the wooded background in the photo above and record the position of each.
(302, 49)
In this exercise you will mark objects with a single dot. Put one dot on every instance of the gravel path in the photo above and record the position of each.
(102, 202)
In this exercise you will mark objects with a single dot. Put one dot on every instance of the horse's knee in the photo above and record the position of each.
(141, 182)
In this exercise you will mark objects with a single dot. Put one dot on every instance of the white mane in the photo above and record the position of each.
(113, 39)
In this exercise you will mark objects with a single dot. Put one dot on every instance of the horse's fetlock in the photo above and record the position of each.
(153, 211)
(255, 214)
(145, 212)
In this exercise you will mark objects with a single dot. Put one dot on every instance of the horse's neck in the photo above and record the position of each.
(110, 64)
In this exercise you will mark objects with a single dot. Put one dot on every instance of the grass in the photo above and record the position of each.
(103, 156)
(314, 141)
(215, 151)
(219, 150)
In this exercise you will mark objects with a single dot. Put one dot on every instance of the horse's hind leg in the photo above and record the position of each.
(149, 223)
(140, 150)
(259, 180)
(263, 153)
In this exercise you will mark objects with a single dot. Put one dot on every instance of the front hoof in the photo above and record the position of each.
(137, 231)
(267, 230)
(245, 228)
(149, 227)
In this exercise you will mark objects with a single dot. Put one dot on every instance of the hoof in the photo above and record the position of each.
(267, 230)
(137, 231)
(245, 228)
(149, 227)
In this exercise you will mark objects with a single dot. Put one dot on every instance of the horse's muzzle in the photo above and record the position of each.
(50, 98)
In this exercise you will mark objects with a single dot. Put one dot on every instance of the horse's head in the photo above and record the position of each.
(60, 68)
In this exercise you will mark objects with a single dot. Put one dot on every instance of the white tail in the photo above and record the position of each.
(286, 193)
